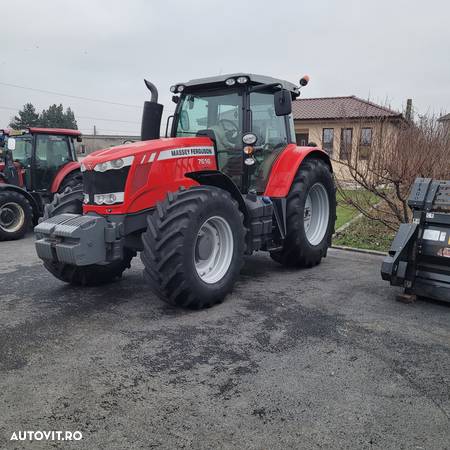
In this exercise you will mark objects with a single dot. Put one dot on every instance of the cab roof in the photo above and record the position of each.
(64, 131)
(253, 79)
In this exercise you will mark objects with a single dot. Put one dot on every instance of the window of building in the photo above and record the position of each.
(328, 140)
(302, 137)
(365, 143)
(366, 136)
(346, 143)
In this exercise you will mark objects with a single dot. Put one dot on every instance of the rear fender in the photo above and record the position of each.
(37, 208)
(286, 166)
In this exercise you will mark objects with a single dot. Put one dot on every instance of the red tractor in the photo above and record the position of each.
(34, 165)
(230, 180)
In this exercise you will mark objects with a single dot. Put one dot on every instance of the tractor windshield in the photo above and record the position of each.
(220, 112)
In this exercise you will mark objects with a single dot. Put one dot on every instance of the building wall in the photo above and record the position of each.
(91, 142)
(380, 130)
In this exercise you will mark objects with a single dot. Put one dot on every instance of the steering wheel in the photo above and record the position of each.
(231, 130)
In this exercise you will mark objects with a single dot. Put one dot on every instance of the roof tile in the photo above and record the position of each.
(339, 108)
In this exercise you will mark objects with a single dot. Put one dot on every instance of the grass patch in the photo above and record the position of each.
(366, 234)
(346, 212)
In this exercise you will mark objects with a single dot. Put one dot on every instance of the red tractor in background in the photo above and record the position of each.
(35, 164)
(230, 180)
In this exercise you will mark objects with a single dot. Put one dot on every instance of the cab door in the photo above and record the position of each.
(51, 153)
(272, 139)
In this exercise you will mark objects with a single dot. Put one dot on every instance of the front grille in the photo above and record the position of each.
(104, 182)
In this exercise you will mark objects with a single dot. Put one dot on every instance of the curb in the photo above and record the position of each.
(359, 250)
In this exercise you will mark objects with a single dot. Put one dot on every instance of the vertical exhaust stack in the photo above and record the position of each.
(151, 115)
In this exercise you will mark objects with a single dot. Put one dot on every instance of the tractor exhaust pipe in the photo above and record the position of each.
(151, 115)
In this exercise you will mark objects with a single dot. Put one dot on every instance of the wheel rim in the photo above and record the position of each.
(213, 249)
(12, 217)
(316, 214)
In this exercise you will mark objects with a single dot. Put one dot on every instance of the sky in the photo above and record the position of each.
(386, 51)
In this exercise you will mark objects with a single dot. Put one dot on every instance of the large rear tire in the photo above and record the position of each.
(194, 247)
(311, 213)
(95, 274)
(16, 215)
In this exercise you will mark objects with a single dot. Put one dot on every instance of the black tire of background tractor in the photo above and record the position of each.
(20, 204)
(95, 274)
(73, 181)
(169, 243)
(297, 250)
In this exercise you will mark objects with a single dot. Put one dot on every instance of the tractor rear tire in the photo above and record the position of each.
(194, 247)
(16, 215)
(311, 214)
(93, 275)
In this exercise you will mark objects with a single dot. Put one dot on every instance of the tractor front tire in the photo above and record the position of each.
(73, 182)
(93, 275)
(194, 247)
(16, 215)
(311, 214)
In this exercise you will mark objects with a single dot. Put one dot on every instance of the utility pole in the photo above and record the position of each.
(95, 130)
(408, 112)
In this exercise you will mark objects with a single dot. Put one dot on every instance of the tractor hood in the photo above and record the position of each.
(145, 151)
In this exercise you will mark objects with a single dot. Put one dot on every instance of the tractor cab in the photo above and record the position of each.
(249, 118)
(40, 153)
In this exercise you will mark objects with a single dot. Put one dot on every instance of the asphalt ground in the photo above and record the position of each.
(318, 358)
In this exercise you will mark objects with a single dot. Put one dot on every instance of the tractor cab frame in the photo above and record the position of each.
(227, 108)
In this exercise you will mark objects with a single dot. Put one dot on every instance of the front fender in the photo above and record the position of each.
(286, 166)
(63, 172)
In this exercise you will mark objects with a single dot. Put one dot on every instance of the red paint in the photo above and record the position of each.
(64, 131)
(63, 172)
(285, 167)
(148, 185)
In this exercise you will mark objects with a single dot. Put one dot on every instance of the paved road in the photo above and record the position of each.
(320, 358)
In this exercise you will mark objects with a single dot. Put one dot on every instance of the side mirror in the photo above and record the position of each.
(11, 144)
(283, 102)
(79, 139)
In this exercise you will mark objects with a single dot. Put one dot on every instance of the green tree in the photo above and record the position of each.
(26, 117)
(55, 117)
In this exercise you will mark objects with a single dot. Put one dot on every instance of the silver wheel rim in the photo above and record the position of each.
(316, 214)
(213, 249)
(12, 217)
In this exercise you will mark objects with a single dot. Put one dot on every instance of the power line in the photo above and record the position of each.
(68, 95)
(82, 117)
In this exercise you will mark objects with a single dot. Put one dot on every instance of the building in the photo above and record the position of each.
(93, 142)
(343, 126)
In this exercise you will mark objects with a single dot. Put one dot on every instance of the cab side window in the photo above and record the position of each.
(269, 128)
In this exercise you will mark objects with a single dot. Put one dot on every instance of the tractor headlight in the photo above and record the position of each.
(82, 167)
(109, 199)
(242, 80)
(230, 82)
(114, 164)
(85, 198)
(180, 88)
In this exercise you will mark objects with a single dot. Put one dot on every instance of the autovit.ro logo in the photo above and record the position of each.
(46, 436)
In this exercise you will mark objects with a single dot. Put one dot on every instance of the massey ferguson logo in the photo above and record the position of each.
(186, 152)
